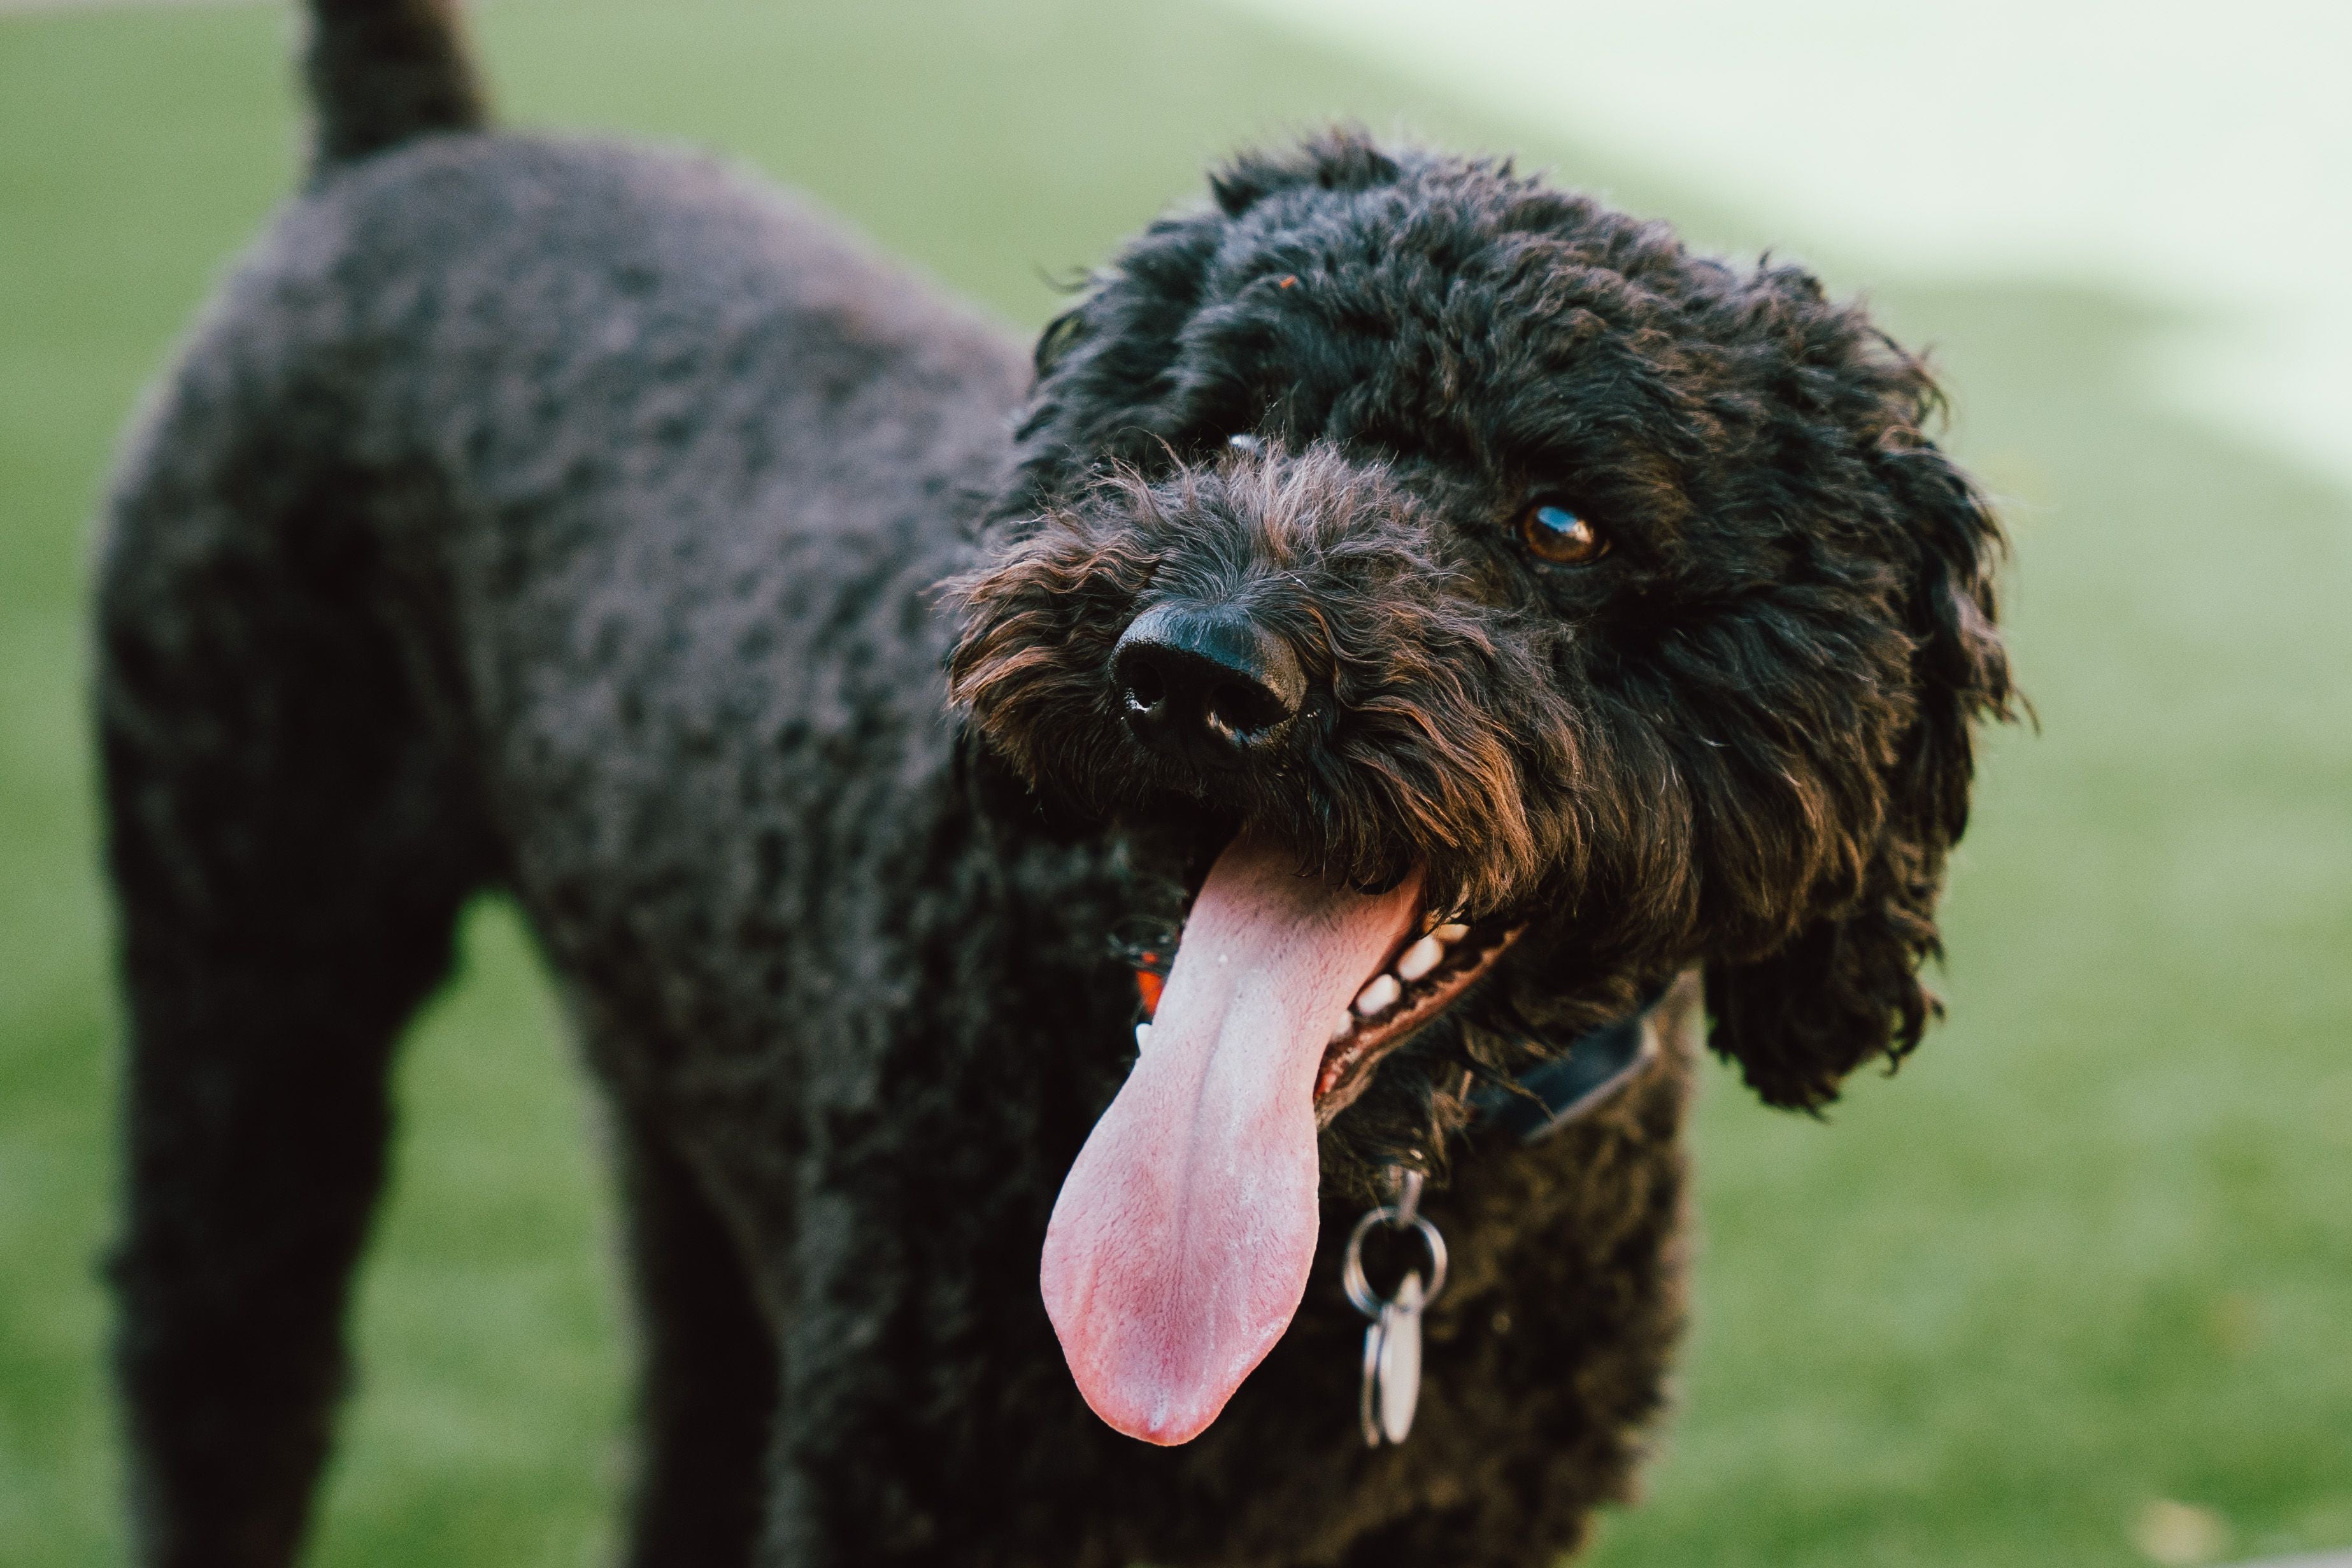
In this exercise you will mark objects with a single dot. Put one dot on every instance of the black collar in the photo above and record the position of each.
(1545, 1099)
(1539, 1101)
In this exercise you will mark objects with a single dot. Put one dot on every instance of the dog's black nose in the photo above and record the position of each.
(1206, 681)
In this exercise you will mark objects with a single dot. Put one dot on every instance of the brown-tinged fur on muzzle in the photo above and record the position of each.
(1431, 724)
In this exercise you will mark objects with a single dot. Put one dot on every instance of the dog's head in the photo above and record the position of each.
(1404, 544)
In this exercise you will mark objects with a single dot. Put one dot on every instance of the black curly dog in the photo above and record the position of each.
(1394, 542)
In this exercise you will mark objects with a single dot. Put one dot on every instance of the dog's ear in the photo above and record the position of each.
(1846, 990)
(1102, 366)
(1342, 158)
(1111, 387)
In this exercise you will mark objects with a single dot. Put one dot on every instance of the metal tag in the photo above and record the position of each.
(1392, 1366)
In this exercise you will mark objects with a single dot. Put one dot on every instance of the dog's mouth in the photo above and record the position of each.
(1179, 1245)
(1424, 977)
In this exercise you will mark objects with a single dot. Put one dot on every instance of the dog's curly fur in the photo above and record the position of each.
(590, 524)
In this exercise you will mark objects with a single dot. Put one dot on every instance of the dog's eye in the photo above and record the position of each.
(1553, 533)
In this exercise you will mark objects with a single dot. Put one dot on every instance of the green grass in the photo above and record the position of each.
(2092, 1248)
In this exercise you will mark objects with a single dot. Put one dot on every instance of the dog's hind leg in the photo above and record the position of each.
(288, 851)
(708, 1397)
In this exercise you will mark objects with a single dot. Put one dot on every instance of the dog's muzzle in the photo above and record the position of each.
(1206, 683)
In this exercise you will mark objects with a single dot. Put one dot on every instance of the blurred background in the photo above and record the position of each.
(2076, 1289)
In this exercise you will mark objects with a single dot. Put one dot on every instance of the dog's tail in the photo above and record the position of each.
(383, 71)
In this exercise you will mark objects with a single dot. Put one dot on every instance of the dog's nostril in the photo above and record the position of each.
(1145, 690)
(1245, 712)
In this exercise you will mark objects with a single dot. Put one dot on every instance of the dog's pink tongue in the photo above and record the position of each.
(1180, 1244)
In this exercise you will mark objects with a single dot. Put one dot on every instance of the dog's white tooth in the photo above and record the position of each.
(1419, 959)
(1379, 996)
(1143, 1037)
(1340, 1030)
(1452, 931)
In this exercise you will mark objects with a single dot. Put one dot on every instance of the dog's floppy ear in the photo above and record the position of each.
(1102, 366)
(1110, 387)
(1341, 158)
(1846, 989)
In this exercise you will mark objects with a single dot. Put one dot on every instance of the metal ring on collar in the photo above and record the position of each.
(1352, 1272)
